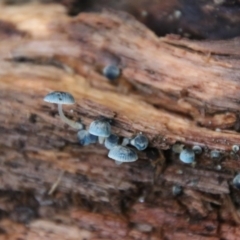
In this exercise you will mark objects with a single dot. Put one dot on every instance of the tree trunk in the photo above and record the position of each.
(171, 89)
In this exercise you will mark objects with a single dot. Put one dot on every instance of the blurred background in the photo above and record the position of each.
(203, 19)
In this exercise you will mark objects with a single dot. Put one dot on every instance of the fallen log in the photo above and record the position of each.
(173, 90)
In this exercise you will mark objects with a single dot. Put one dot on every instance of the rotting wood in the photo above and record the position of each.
(166, 84)
(170, 98)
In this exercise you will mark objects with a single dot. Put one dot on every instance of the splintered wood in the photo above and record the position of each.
(173, 90)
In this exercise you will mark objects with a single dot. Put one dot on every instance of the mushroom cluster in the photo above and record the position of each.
(100, 131)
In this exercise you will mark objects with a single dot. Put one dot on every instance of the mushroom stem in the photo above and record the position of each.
(118, 163)
(101, 140)
(126, 141)
(71, 123)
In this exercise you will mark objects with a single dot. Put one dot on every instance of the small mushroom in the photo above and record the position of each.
(111, 72)
(215, 154)
(111, 141)
(86, 138)
(197, 149)
(177, 190)
(140, 142)
(61, 98)
(122, 154)
(187, 156)
(236, 181)
(235, 148)
(100, 128)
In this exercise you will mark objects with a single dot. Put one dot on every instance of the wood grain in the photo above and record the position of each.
(173, 90)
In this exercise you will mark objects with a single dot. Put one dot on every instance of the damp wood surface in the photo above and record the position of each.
(171, 89)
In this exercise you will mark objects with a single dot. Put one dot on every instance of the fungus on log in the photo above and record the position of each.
(170, 89)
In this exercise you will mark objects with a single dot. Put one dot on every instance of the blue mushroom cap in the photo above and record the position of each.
(177, 190)
(215, 154)
(111, 72)
(235, 148)
(140, 142)
(111, 141)
(197, 149)
(122, 154)
(59, 98)
(187, 156)
(86, 138)
(100, 128)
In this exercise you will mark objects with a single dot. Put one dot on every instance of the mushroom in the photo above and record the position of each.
(177, 190)
(111, 141)
(197, 149)
(235, 148)
(122, 154)
(111, 72)
(140, 142)
(215, 154)
(100, 128)
(61, 98)
(187, 156)
(86, 138)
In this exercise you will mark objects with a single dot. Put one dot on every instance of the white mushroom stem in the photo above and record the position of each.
(126, 141)
(118, 163)
(101, 140)
(71, 123)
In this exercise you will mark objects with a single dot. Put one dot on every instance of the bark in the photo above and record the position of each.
(217, 19)
(172, 89)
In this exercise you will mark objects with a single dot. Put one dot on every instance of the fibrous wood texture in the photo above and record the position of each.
(171, 89)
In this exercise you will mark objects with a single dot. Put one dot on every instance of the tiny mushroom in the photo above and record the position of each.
(61, 98)
(122, 154)
(236, 181)
(215, 154)
(111, 72)
(177, 190)
(235, 148)
(100, 128)
(187, 156)
(197, 149)
(86, 138)
(140, 142)
(111, 141)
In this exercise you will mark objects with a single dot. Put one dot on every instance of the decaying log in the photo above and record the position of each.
(172, 89)
(217, 19)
